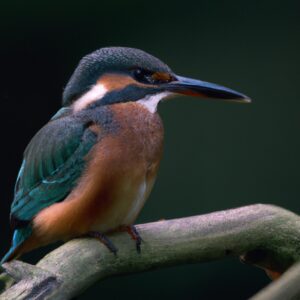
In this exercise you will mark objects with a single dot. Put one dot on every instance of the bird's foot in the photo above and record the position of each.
(104, 240)
(132, 231)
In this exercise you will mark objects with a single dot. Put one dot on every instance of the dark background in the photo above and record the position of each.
(217, 155)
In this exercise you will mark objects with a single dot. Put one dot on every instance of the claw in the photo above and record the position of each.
(105, 240)
(132, 231)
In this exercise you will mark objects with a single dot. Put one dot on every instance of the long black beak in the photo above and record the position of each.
(193, 87)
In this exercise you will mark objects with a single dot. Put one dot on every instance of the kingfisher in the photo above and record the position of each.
(90, 169)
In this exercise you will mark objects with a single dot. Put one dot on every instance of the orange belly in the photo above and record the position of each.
(92, 208)
(119, 177)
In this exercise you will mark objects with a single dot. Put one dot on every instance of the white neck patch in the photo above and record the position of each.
(151, 101)
(95, 93)
(99, 90)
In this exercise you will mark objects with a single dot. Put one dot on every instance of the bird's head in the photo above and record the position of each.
(118, 74)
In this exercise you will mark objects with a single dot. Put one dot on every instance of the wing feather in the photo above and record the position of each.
(53, 162)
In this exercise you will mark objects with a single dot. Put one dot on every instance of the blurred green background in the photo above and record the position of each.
(217, 155)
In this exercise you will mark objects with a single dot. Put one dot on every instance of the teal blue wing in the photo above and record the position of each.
(53, 162)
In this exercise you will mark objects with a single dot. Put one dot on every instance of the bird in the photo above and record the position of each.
(90, 169)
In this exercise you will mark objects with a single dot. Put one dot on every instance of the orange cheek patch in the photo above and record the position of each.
(162, 77)
(117, 81)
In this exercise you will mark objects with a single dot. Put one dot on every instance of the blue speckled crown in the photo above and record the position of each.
(103, 60)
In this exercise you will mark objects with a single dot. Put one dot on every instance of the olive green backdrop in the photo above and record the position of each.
(217, 155)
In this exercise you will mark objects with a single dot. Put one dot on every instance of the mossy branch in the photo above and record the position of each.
(264, 235)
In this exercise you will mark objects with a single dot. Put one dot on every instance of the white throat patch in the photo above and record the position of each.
(151, 101)
(95, 93)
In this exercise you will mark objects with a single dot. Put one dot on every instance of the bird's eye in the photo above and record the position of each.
(149, 77)
(143, 76)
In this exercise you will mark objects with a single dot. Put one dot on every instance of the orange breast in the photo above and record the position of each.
(118, 179)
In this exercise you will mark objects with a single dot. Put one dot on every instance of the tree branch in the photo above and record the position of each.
(286, 288)
(265, 235)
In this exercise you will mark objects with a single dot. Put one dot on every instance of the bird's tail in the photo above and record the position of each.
(19, 237)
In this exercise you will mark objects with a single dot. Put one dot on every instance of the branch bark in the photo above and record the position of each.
(265, 235)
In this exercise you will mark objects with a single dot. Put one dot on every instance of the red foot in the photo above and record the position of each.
(132, 231)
